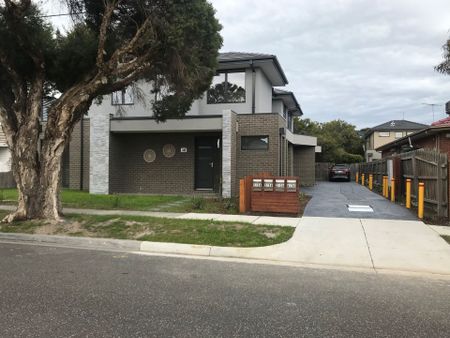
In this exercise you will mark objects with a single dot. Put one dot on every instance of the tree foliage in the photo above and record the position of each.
(339, 140)
(112, 44)
(444, 66)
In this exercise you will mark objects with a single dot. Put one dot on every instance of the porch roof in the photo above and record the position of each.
(301, 140)
(151, 125)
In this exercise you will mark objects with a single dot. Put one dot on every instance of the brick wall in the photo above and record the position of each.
(71, 168)
(251, 162)
(129, 173)
(304, 165)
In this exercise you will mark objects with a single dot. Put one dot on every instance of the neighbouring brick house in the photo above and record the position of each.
(243, 125)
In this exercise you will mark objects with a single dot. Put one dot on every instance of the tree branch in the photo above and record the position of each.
(130, 47)
(106, 21)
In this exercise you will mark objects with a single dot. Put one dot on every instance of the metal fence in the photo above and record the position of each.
(423, 165)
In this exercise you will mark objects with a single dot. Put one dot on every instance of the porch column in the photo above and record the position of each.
(229, 127)
(99, 153)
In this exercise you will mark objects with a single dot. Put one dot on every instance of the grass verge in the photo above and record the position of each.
(158, 230)
(165, 203)
(447, 238)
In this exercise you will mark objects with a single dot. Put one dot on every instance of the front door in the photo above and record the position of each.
(205, 162)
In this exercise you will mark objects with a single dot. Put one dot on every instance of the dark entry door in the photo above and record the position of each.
(205, 155)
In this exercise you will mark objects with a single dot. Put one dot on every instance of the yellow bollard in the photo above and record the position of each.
(362, 180)
(370, 181)
(385, 186)
(356, 177)
(421, 199)
(392, 189)
(408, 193)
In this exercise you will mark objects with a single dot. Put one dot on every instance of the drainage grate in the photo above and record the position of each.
(359, 208)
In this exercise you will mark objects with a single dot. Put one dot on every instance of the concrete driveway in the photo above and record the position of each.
(331, 199)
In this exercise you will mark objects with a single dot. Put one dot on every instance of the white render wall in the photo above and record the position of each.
(5, 159)
(263, 94)
(263, 101)
(99, 153)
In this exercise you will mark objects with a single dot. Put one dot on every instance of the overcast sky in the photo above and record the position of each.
(364, 61)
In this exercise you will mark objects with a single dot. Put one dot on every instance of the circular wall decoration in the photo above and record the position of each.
(169, 150)
(149, 156)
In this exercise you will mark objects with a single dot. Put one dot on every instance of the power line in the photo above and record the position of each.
(61, 14)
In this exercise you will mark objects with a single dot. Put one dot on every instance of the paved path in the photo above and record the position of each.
(378, 245)
(61, 292)
(330, 199)
(266, 220)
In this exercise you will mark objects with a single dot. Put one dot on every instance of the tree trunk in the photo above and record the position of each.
(38, 182)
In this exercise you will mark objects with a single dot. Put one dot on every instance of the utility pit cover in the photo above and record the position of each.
(359, 208)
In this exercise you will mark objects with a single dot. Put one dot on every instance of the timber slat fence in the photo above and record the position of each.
(322, 171)
(423, 165)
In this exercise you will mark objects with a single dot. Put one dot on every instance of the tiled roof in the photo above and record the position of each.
(441, 122)
(399, 125)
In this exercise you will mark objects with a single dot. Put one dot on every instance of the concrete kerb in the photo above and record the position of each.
(81, 242)
(241, 255)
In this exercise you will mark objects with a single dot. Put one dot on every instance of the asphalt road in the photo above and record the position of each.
(60, 292)
(330, 199)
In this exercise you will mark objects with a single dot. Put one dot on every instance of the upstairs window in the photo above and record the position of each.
(122, 97)
(398, 134)
(227, 87)
(384, 134)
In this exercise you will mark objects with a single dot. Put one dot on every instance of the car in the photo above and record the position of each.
(340, 171)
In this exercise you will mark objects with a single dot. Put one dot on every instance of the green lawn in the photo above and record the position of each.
(84, 200)
(158, 230)
(447, 238)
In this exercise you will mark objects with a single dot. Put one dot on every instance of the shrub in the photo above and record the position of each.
(198, 203)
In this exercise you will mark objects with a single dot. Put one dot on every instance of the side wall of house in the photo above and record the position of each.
(304, 165)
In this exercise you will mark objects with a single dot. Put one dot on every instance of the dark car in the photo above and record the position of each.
(339, 172)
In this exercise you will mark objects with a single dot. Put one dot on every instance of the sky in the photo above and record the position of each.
(363, 61)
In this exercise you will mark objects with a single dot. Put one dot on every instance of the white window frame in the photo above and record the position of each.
(384, 133)
(398, 134)
(124, 97)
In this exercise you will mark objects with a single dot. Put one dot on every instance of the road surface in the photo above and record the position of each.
(61, 292)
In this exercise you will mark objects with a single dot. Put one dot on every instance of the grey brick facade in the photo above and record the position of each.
(129, 173)
(256, 161)
(304, 165)
(75, 168)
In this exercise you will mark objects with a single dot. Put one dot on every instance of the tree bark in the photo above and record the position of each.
(36, 168)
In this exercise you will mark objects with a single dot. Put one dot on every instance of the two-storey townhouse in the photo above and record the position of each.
(242, 125)
(385, 133)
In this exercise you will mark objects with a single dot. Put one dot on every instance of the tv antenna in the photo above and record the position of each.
(432, 105)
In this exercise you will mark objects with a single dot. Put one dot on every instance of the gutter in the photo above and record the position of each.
(253, 87)
(81, 153)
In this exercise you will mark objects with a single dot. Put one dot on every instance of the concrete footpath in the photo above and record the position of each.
(266, 220)
(369, 244)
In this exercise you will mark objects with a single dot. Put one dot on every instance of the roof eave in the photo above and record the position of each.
(249, 60)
